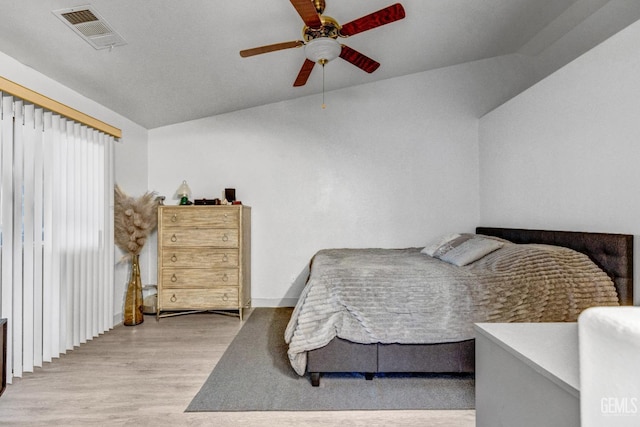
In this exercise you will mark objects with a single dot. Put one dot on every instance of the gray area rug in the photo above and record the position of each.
(254, 375)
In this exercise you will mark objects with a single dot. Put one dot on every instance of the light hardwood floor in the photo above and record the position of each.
(146, 375)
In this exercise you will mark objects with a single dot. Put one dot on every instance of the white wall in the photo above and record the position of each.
(130, 153)
(388, 164)
(564, 154)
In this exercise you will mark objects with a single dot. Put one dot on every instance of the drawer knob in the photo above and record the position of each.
(225, 278)
(174, 258)
(225, 297)
(225, 258)
(174, 218)
(174, 278)
(225, 238)
(174, 238)
(173, 298)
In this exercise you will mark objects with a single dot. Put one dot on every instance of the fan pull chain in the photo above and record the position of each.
(323, 104)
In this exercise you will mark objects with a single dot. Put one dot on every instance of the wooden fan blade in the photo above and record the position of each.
(359, 60)
(270, 48)
(376, 19)
(307, 12)
(304, 73)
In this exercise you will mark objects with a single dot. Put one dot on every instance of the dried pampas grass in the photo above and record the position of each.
(135, 219)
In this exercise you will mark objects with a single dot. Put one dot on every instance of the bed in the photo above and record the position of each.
(446, 344)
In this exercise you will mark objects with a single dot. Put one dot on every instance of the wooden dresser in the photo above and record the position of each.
(204, 259)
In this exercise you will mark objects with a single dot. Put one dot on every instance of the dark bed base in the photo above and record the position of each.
(612, 252)
(345, 356)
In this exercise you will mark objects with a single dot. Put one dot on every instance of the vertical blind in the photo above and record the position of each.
(56, 233)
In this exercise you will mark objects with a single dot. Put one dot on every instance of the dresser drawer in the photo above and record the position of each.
(201, 258)
(199, 277)
(219, 237)
(199, 299)
(200, 216)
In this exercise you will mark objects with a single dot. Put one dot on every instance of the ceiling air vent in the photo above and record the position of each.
(90, 26)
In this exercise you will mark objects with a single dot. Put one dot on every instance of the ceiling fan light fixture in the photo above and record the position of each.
(322, 49)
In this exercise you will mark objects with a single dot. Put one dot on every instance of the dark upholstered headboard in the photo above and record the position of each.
(613, 253)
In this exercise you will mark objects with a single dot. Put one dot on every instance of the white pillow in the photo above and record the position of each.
(436, 243)
(470, 251)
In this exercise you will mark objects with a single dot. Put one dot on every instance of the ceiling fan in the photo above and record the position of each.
(320, 34)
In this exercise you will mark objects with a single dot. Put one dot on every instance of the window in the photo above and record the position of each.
(56, 244)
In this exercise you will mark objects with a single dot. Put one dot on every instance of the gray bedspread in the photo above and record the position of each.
(403, 296)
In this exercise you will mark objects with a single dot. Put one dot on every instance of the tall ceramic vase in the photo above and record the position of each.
(133, 301)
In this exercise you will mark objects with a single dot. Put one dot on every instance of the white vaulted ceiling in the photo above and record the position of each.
(181, 60)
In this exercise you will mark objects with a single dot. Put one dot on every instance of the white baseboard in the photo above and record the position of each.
(273, 302)
(255, 302)
(117, 319)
